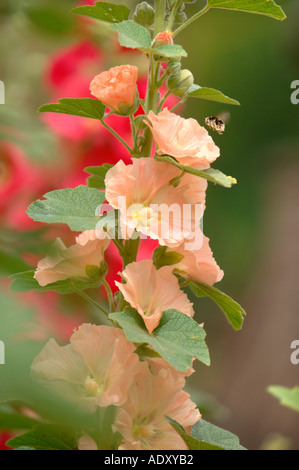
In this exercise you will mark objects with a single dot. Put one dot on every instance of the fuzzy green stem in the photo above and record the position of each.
(110, 295)
(133, 128)
(151, 104)
(116, 135)
(180, 103)
(160, 16)
(162, 102)
(174, 182)
(91, 301)
(185, 283)
(173, 13)
(190, 20)
(131, 247)
(163, 78)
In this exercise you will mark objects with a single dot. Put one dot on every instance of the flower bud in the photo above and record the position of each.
(171, 4)
(144, 14)
(180, 17)
(139, 122)
(163, 38)
(179, 84)
(96, 273)
(141, 140)
(174, 67)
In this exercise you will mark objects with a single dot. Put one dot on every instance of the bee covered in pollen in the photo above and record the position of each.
(218, 123)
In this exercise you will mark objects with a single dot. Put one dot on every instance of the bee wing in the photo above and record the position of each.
(224, 116)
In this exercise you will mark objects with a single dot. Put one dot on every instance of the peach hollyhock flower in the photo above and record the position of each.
(185, 413)
(184, 139)
(195, 188)
(199, 264)
(149, 204)
(72, 262)
(116, 85)
(151, 291)
(184, 410)
(95, 369)
(142, 419)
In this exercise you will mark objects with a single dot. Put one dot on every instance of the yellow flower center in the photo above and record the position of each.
(92, 387)
(146, 434)
(141, 215)
(144, 431)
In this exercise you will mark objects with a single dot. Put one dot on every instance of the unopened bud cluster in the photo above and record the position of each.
(144, 14)
(180, 16)
(179, 81)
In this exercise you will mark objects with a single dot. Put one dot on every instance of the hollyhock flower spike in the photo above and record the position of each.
(129, 378)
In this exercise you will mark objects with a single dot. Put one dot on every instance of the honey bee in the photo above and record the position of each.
(218, 123)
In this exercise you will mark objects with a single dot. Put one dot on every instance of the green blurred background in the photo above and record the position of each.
(254, 227)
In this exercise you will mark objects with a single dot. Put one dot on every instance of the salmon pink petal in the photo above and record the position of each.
(183, 139)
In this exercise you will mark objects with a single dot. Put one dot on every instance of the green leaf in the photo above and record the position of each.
(261, 7)
(25, 282)
(133, 35)
(46, 437)
(108, 220)
(16, 421)
(178, 338)
(211, 174)
(288, 397)
(144, 352)
(75, 207)
(103, 11)
(210, 94)
(97, 180)
(232, 310)
(162, 257)
(215, 436)
(83, 107)
(217, 177)
(192, 442)
(170, 50)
